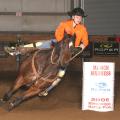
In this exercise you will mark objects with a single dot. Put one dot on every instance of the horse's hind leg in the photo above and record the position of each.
(32, 91)
(17, 85)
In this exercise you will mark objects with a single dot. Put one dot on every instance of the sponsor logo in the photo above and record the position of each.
(101, 85)
(106, 48)
(105, 45)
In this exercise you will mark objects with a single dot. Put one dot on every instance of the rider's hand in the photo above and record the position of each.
(82, 46)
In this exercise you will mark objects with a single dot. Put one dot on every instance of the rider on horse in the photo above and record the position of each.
(74, 28)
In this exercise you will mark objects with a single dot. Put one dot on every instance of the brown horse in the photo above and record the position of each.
(40, 72)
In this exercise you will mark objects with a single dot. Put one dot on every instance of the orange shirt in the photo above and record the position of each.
(79, 30)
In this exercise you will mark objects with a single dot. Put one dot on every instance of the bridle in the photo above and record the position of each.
(51, 58)
(58, 61)
(45, 78)
(60, 54)
(74, 56)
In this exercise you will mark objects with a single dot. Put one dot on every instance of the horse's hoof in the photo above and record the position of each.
(11, 107)
(2, 102)
(11, 104)
(15, 103)
(6, 97)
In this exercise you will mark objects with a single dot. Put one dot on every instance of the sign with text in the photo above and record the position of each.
(106, 48)
(98, 86)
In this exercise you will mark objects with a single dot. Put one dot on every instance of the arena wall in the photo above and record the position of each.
(9, 63)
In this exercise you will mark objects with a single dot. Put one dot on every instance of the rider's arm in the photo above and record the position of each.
(82, 38)
(59, 33)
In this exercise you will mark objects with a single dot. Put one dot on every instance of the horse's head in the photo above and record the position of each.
(62, 52)
(65, 52)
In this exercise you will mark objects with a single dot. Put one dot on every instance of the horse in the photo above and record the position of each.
(40, 72)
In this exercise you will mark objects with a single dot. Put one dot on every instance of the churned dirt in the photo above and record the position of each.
(62, 103)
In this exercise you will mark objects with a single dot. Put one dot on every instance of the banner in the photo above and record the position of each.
(106, 48)
(98, 86)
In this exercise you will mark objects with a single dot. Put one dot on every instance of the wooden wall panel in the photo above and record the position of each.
(9, 64)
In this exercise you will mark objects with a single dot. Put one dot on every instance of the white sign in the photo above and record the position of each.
(98, 86)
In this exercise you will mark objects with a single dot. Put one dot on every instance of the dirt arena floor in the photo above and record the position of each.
(62, 103)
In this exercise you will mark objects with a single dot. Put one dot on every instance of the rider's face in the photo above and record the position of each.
(77, 19)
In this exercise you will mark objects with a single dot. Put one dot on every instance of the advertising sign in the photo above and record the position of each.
(98, 86)
(106, 48)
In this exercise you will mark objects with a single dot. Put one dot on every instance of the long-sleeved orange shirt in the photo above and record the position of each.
(79, 30)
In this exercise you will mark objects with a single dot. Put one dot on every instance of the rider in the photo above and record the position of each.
(72, 27)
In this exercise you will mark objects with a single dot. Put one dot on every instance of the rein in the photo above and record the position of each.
(45, 78)
(74, 56)
(51, 58)
(56, 63)
(33, 64)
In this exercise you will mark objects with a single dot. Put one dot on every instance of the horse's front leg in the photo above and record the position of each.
(19, 82)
